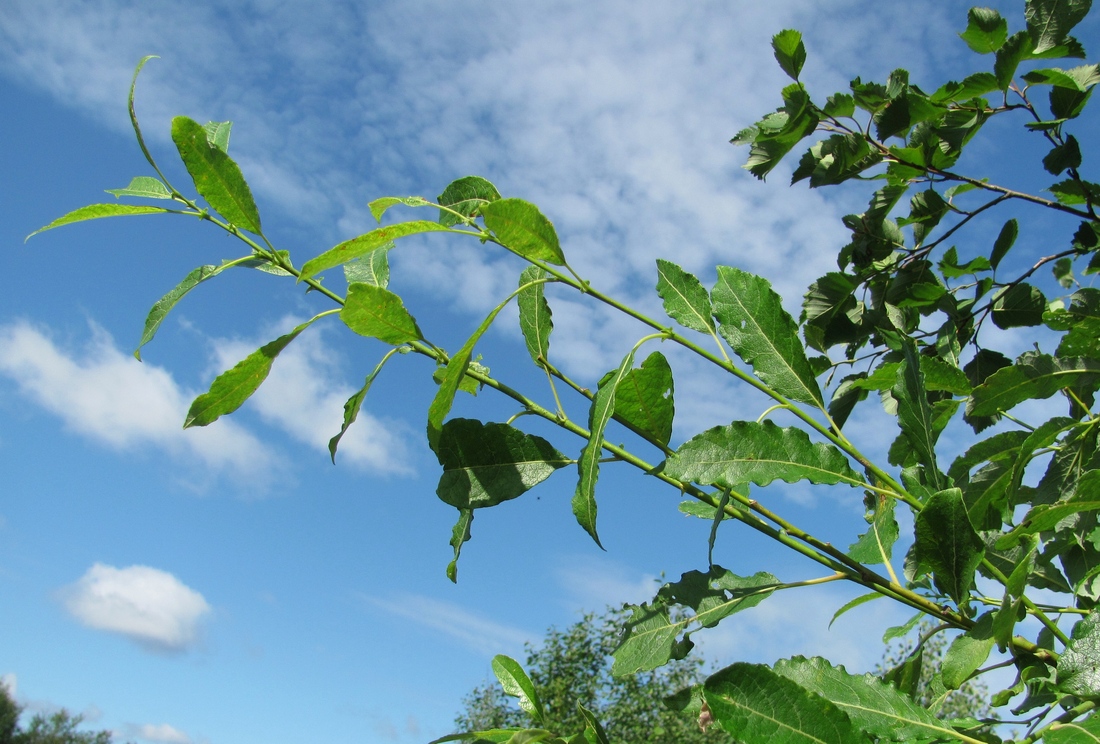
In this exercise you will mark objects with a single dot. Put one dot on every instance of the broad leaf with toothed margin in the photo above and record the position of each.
(947, 545)
(752, 320)
(685, 299)
(1034, 375)
(466, 196)
(644, 398)
(747, 451)
(376, 312)
(521, 227)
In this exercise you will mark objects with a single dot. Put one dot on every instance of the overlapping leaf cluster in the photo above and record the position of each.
(906, 315)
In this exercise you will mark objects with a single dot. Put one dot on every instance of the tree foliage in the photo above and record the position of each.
(931, 272)
(59, 727)
(573, 666)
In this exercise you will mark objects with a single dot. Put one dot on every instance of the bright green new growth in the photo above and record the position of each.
(904, 315)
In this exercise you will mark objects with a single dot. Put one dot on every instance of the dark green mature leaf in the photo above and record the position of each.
(380, 238)
(1079, 665)
(486, 464)
(593, 729)
(790, 52)
(985, 31)
(145, 187)
(876, 544)
(753, 322)
(466, 196)
(847, 395)
(217, 177)
(522, 228)
(747, 451)
(970, 87)
(755, 705)
(967, 653)
(1050, 21)
(1014, 51)
(1034, 375)
(535, 319)
(1086, 731)
(1005, 240)
(452, 378)
(516, 683)
(1072, 191)
(650, 636)
(1063, 156)
(915, 416)
(1001, 447)
(1020, 305)
(164, 305)
(830, 312)
(373, 268)
(947, 544)
(1045, 517)
(96, 211)
(459, 535)
(588, 465)
(376, 312)
(874, 706)
(776, 134)
(685, 299)
(644, 398)
(234, 386)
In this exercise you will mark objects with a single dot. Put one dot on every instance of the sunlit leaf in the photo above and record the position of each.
(915, 415)
(217, 177)
(516, 683)
(1079, 665)
(353, 405)
(1034, 375)
(465, 196)
(164, 305)
(536, 322)
(947, 544)
(459, 535)
(876, 544)
(360, 246)
(145, 187)
(967, 653)
(985, 31)
(521, 227)
(747, 451)
(1050, 21)
(644, 398)
(234, 386)
(97, 211)
(790, 52)
(217, 134)
(379, 207)
(373, 268)
(685, 299)
(752, 320)
(376, 312)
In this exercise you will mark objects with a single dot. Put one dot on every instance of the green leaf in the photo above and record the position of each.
(790, 52)
(972, 86)
(685, 299)
(644, 398)
(452, 378)
(862, 599)
(899, 631)
(703, 510)
(1014, 51)
(967, 653)
(588, 465)
(535, 319)
(234, 386)
(747, 451)
(947, 544)
(465, 196)
(1063, 156)
(755, 705)
(1033, 376)
(1086, 731)
(593, 730)
(354, 404)
(96, 211)
(1079, 665)
(494, 736)
(459, 535)
(164, 305)
(486, 464)
(876, 544)
(378, 313)
(522, 228)
(1063, 272)
(217, 134)
(516, 683)
(753, 322)
(1073, 191)
(1005, 240)
(373, 268)
(217, 177)
(360, 246)
(379, 207)
(874, 707)
(1019, 306)
(1045, 517)
(146, 187)
(650, 636)
(915, 416)
(1050, 21)
(985, 31)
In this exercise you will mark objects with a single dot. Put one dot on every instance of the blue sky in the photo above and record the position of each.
(228, 584)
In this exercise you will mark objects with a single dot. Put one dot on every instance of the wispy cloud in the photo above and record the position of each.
(160, 733)
(147, 605)
(475, 632)
(108, 396)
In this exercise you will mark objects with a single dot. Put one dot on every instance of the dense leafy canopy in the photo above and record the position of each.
(906, 314)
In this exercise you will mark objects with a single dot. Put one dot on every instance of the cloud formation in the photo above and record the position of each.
(160, 733)
(146, 605)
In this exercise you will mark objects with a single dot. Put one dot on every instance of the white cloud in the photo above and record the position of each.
(473, 631)
(147, 605)
(304, 395)
(110, 397)
(160, 733)
(11, 682)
